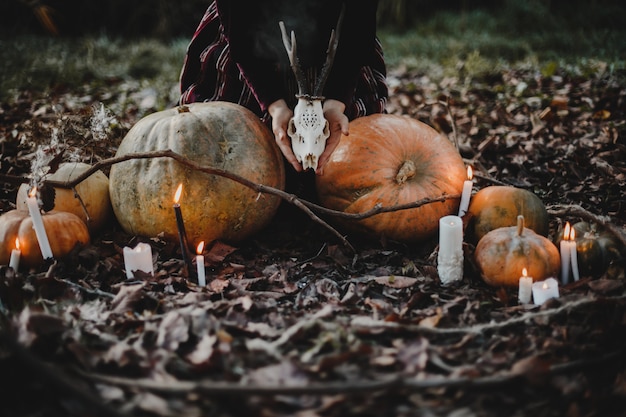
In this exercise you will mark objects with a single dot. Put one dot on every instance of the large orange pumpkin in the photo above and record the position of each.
(392, 160)
(64, 230)
(216, 134)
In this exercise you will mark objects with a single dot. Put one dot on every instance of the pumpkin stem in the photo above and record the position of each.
(520, 225)
(406, 172)
(183, 109)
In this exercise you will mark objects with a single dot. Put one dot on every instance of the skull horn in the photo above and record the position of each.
(290, 46)
(330, 55)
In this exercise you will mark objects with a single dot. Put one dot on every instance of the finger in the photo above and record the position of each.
(284, 144)
(345, 128)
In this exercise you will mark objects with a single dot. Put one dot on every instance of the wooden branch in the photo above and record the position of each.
(306, 206)
(395, 381)
(367, 324)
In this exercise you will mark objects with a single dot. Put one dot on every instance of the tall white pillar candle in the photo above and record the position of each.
(138, 259)
(467, 192)
(200, 265)
(544, 290)
(14, 261)
(525, 288)
(450, 256)
(40, 230)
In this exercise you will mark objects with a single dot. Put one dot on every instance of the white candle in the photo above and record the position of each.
(138, 259)
(565, 247)
(467, 192)
(544, 290)
(40, 230)
(525, 287)
(14, 262)
(574, 254)
(450, 256)
(200, 265)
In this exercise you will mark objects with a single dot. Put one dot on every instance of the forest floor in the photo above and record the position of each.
(293, 323)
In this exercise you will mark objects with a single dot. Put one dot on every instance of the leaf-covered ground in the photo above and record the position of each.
(293, 323)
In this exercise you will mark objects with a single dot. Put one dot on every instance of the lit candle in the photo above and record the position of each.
(40, 230)
(565, 247)
(182, 235)
(467, 192)
(450, 256)
(200, 265)
(525, 287)
(544, 290)
(574, 254)
(14, 262)
(138, 259)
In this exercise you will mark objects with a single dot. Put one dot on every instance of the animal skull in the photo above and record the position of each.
(308, 130)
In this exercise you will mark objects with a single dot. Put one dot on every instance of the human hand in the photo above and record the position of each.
(338, 124)
(281, 114)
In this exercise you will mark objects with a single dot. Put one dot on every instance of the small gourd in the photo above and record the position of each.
(64, 230)
(95, 209)
(596, 248)
(503, 253)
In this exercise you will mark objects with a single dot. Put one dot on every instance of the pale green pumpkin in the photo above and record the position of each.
(216, 134)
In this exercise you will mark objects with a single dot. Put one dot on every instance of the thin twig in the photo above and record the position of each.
(395, 381)
(94, 291)
(306, 206)
(368, 323)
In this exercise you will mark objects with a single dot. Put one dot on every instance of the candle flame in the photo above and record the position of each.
(32, 192)
(524, 272)
(179, 191)
(566, 231)
(470, 172)
(572, 234)
(17, 243)
(545, 286)
(200, 248)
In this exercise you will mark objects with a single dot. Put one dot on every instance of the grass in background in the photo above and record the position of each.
(469, 43)
(41, 63)
(516, 33)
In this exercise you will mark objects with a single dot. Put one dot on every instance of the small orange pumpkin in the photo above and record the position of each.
(503, 253)
(64, 230)
(93, 192)
(392, 160)
(499, 205)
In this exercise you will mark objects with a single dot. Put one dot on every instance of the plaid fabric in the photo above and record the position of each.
(210, 74)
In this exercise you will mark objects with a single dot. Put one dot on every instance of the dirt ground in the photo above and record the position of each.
(294, 323)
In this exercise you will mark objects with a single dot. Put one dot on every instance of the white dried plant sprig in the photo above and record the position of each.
(101, 122)
(40, 165)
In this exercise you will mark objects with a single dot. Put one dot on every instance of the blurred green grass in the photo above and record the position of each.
(475, 41)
